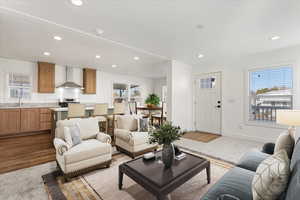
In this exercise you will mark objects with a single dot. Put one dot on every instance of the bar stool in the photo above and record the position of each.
(101, 112)
(76, 110)
(119, 109)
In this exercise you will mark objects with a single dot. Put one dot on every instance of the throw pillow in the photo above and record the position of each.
(75, 133)
(143, 125)
(285, 142)
(271, 177)
(68, 137)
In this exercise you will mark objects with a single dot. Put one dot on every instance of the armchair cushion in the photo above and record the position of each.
(102, 137)
(61, 146)
(123, 134)
(86, 150)
(127, 122)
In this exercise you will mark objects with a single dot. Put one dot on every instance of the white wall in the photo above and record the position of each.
(104, 82)
(179, 83)
(158, 84)
(233, 91)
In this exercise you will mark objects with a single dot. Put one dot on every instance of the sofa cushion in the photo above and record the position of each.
(127, 122)
(86, 150)
(286, 142)
(235, 183)
(252, 159)
(271, 177)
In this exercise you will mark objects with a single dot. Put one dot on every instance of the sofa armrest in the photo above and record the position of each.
(252, 159)
(268, 148)
(123, 134)
(61, 146)
(102, 137)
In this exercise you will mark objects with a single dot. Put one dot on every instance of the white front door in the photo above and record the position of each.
(208, 105)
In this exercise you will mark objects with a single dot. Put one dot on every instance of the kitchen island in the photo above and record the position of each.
(62, 112)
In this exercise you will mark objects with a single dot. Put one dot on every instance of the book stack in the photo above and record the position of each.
(180, 156)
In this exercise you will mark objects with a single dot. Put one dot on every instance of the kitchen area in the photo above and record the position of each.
(32, 101)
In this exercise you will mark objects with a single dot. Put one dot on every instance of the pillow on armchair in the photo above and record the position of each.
(72, 135)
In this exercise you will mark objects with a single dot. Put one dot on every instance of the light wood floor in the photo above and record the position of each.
(25, 151)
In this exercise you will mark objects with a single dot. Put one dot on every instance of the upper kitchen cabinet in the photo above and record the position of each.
(89, 81)
(46, 77)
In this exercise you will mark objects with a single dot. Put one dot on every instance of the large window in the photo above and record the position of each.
(269, 90)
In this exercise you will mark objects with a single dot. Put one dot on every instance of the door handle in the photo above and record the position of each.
(218, 106)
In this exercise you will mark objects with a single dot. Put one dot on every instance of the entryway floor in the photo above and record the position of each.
(224, 148)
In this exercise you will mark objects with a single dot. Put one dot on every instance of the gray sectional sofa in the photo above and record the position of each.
(236, 184)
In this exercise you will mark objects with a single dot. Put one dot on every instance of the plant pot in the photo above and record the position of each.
(168, 155)
(150, 105)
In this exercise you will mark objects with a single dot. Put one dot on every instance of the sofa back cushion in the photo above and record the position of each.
(88, 127)
(293, 190)
(296, 155)
(127, 122)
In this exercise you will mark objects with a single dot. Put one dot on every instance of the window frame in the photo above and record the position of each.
(247, 94)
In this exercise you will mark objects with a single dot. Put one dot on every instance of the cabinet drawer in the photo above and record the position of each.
(45, 125)
(45, 117)
(45, 111)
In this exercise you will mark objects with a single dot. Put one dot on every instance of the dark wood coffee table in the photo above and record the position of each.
(153, 176)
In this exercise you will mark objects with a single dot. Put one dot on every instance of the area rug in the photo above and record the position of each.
(201, 136)
(103, 184)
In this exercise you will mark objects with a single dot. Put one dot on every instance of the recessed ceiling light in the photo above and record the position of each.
(275, 37)
(98, 56)
(200, 55)
(77, 2)
(47, 53)
(114, 66)
(57, 38)
(99, 31)
(136, 58)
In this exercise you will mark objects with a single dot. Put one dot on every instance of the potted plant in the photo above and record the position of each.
(152, 100)
(165, 135)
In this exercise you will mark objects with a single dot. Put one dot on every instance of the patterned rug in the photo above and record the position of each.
(103, 184)
(201, 136)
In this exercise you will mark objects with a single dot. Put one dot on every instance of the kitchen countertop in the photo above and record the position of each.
(27, 105)
(59, 109)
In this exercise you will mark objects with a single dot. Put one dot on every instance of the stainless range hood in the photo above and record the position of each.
(69, 80)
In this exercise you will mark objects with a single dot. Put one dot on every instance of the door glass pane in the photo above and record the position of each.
(208, 83)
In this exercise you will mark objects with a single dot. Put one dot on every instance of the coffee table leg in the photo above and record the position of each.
(208, 173)
(120, 179)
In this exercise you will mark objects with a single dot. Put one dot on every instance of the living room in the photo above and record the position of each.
(149, 100)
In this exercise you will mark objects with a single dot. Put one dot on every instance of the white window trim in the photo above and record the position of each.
(247, 72)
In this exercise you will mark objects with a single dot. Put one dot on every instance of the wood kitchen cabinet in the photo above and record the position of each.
(10, 121)
(30, 119)
(46, 77)
(89, 81)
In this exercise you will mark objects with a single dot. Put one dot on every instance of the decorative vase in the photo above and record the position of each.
(168, 155)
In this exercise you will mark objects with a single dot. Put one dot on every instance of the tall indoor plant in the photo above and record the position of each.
(152, 100)
(165, 135)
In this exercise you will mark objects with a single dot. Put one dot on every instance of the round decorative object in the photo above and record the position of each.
(168, 155)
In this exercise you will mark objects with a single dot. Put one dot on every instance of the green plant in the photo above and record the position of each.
(153, 99)
(165, 134)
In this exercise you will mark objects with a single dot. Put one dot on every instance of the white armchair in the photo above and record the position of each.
(128, 139)
(92, 153)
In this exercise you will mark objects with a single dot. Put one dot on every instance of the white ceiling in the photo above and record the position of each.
(167, 28)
